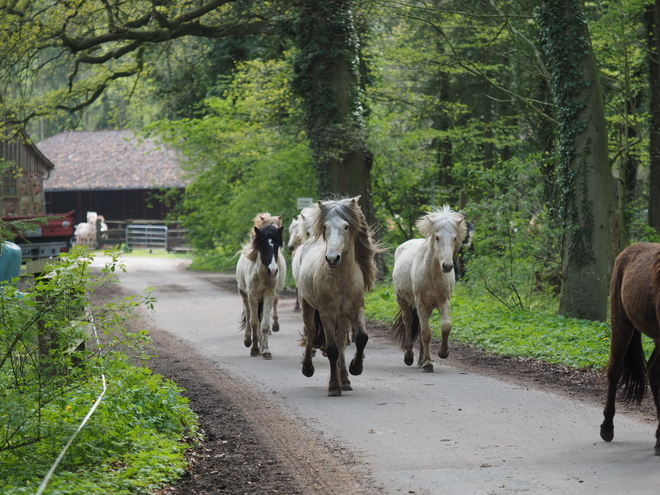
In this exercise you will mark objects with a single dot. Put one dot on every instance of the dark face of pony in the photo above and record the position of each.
(268, 241)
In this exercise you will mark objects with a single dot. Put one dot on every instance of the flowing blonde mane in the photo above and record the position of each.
(265, 218)
(443, 218)
(365, 248)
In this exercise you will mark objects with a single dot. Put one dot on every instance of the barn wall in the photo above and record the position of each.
(121, 205)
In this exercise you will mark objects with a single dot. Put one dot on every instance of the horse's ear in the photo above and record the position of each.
(280, 217)
(256, 230)
(357, 198)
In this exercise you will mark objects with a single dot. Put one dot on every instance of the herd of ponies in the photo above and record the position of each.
(333, 266)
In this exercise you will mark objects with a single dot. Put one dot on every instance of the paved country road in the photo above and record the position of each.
(401, 430)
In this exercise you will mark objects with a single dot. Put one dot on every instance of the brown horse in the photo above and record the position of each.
(635, 310)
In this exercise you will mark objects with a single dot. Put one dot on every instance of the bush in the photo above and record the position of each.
(49, 383)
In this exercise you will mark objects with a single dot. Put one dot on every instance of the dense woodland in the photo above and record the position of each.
(541, 120)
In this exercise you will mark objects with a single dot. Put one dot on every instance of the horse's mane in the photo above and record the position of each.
(260, 237)
(365, 248)
(443, 218)
(265, 218)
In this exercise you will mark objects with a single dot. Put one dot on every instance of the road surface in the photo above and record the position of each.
(448, 432)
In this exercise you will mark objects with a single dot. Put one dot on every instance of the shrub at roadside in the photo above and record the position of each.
(136, 438)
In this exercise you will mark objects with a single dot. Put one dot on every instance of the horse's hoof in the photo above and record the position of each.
(607, 434)
(254, 352)
(346, 386)
(409, 359)
(308, 371)
(334, 391)
(355, 370)
(443, 353)
(247, 342)
(427, 368)
(276, 327)
(267, 355)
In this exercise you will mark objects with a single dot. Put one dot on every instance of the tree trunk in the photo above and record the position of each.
(651, 19)
(327, 77)
(585, 178)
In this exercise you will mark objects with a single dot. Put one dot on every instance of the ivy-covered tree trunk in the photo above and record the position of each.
(584, 175)
(327, 77)
(651, 19)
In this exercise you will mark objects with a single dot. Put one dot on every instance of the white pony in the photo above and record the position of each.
(260, 273)
(336, 270)
(85, 232)
(300, 231)
(424, 279)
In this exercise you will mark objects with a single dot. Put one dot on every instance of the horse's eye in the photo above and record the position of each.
(345, 227)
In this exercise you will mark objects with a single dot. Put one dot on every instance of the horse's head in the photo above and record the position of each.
(337, 223)
(444, 229)
(294, 234)
(268, 242)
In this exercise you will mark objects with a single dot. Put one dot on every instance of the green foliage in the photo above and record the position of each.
(247, 156)
(535, 334)
(49, 382)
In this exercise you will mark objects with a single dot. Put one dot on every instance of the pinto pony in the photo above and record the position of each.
(260, 273)
(336, 269)
(634, 310)
(424, 279)
(261, 221)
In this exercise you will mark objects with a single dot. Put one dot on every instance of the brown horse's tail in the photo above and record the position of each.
(634, 375)
(398, 330)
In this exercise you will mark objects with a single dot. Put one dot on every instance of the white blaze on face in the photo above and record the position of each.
(444, 249)
(272, 265)
(336, 235)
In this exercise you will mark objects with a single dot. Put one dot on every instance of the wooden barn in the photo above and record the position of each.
(111, 172)
(23, 178)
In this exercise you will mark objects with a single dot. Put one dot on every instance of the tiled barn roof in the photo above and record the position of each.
(92, 160)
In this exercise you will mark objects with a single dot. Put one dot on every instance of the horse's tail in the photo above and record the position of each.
(398, 330)
(243, 322)
(634, 375)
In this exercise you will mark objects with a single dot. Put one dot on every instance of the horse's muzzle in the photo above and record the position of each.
(333, 262)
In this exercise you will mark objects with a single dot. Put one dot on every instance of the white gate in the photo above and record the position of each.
(146, 236)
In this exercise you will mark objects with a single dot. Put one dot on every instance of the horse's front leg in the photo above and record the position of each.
(343, 329)
(276, 323)
(361, 339)
(332, 350)
(444, 309)
(309, 329)
(425, 361)
(264, 329)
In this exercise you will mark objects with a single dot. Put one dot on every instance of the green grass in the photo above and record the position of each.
(479, 320)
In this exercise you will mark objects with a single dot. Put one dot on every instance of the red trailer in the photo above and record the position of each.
(45, 240)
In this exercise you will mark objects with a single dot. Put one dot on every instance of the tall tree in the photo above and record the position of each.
(327, 78)
(652, 20)
(584, 171)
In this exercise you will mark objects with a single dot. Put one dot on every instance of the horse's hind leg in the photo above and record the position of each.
(654, 381)
(247, 325)
(621, 335)
(407, 320)
(264, 329)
